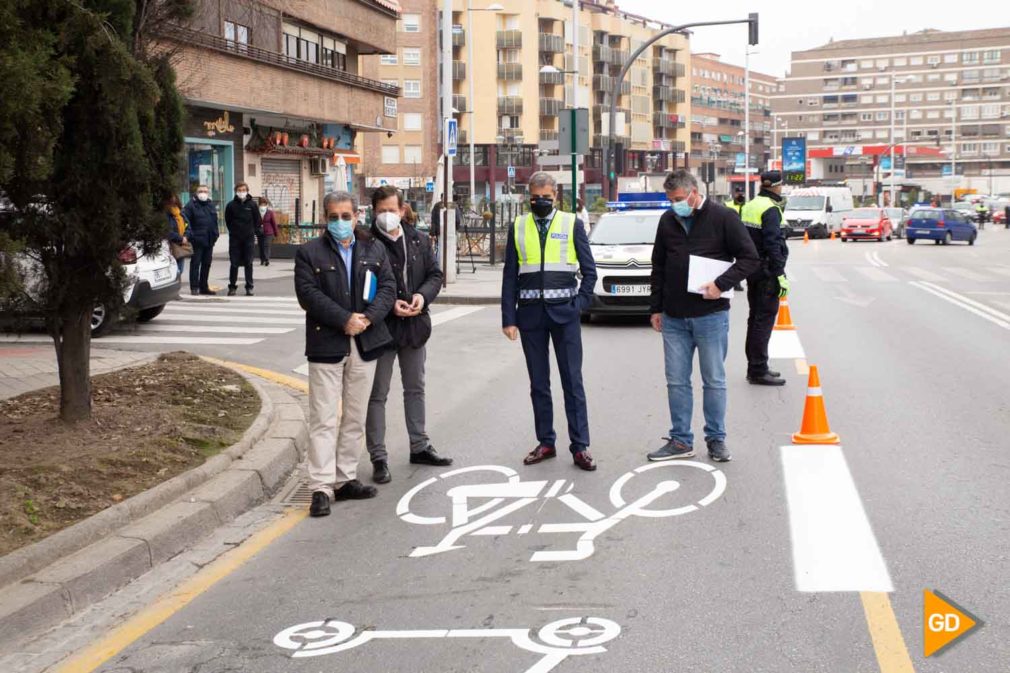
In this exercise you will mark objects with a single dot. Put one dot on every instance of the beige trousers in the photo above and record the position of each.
(338, 405)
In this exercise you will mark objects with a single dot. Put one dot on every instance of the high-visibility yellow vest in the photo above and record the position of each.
(738, 207)
(754, 209)
(548, 271)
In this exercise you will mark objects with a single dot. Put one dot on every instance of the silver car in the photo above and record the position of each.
(622, 245)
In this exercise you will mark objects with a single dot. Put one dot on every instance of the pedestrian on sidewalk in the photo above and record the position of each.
(583, 215)
(346, 287)
(418, 281)
(690, 321)
(268, 230)
(542, 301)
(242, 217)
(179, 245)
(768, 284)
(203, 232)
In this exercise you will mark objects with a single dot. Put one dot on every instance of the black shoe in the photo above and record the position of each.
(248, 293)
(380, 472)
(766, 380)
(231, 292)
(774, 373)
(717, 451)
(429, 457)
(267, 263)
(320, 504)
(208, 293)
(194, 291)
(355, 490)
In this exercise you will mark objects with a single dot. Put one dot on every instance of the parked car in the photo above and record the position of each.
(622, 245)
(869, 223)
(999, 217)
(898, 217)
(941, 225)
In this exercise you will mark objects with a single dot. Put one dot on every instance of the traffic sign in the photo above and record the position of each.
(943, 622)
(451, 136)
(512, 171)
(429, 186)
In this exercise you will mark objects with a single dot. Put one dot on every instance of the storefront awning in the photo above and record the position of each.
(349, 156)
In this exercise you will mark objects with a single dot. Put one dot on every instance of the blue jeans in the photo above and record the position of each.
(710, 335)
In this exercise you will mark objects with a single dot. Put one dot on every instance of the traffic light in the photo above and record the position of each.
(619, 157)
(752, 28)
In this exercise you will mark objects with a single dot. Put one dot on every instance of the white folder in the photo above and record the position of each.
(701, 270)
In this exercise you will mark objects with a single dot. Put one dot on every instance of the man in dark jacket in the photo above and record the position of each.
(201, 215)
(242, 217)
(345, 284)
(541, 302)
(418, 281)
(697, 318)
(765, 287)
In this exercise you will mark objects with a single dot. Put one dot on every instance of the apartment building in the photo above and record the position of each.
(275, 97)
(521, 81)
(718, 103)
(407, 156)
(942, 99)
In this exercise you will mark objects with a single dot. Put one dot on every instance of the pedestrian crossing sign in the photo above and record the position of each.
(451, 137)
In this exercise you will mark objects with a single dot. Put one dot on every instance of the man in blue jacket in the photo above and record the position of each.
(542, 301)
(201, 214)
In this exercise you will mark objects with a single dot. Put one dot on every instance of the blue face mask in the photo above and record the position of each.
(682, 208)
(340, 229)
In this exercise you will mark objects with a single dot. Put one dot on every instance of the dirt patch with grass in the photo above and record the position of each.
(149, 424)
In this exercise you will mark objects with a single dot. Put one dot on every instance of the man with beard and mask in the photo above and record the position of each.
(689, 321)
(541, 303)
(242, 217)
(738, 200)
(763, 218)
(418, 281)
(346, 287)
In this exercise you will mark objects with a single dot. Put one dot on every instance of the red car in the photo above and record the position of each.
(867, 223)
(999, 217)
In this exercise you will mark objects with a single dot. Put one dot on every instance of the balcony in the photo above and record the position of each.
(665, 66)
(550, 107)
(458, 70)
(551, 44)
(459, 102)
(603, 83)
(510, 72)
(601, 139)
(552, 78)
(664, 120)
(668, 94)
(547, 134)
(458, 37)
(618, 56)
(510, 105)
(511, 135)
(509, 39)
(602, 53)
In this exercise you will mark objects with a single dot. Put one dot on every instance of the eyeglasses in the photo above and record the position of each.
(346, 217)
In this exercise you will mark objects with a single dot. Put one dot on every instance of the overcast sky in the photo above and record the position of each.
(785, 26)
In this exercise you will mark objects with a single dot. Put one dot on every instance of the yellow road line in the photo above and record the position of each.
(802, 368)
(282, 379)
(892, 655)
(98, 653)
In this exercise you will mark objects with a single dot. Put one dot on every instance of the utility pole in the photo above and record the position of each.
(447, 225)
(575, 103)
(746, 122)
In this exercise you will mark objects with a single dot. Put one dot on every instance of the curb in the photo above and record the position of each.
(61, 575)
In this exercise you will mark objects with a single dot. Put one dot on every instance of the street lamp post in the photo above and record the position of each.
(551, 70)
(894, 80)
(469, 77)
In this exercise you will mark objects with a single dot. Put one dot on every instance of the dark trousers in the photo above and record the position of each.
(241, 253)
(763, 297)
(199, 267)
(567, 338)
(264, 244)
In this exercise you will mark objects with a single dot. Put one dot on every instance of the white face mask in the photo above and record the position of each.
(203, 196)
(263, 210)
(388, 221)
(242, 195)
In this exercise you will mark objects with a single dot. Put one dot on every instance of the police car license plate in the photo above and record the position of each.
(633, 290)
(163, 274)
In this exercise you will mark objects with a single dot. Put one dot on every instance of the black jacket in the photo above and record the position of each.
(717, 233)
(202, 219)
(423, 277)
(243, 219)
(770, 240)
(321, 286)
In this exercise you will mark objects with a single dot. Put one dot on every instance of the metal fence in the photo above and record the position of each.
(482, 239)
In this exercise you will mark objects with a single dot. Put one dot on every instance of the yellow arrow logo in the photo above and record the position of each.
(943, 622)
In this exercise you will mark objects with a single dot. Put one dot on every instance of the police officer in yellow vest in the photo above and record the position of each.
(763, 218)
(541, 302)
(738, 200)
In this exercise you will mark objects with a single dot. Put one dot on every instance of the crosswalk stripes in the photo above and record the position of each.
(217, 321)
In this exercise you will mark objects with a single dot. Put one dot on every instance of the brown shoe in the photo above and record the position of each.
(584, 461)
(541, 453)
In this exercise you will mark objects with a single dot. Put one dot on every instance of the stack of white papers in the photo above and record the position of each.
(701, 270)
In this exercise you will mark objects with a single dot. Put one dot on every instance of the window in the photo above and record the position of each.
(866, 64)
(899, 115)
(969, 148)
(933, 96)
(950, 95)
(390, 154)
(882, 116)
(410, 23)
(992, 56)
(866, 99)
(412, 154)
(915, 97)
(412, 56)
(933, 77)
(388, 59)
(236, 33)
(969, 112)
(882, 133)
(950, 77)
(970, 58)
(411, 88)
(990, 148)
(391, 82)
(883, 62)
(915, 114)
(900, 62)
(990, 111)
(883, 81)
(866, 116)
(933, 60)
(334, 53)
(885, 98)
(990, 92)
(990, 74)
(900, 98)
(413, 121)
(933, 114)
(950, 58)
(971, 75)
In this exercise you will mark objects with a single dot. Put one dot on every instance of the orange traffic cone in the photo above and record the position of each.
(806, 238)
(832, 236)
(815, 428)
(785, 319)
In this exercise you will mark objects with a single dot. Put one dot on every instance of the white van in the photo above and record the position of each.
(816, 210)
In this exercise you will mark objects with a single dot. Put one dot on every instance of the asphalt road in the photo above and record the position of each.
(914, 380)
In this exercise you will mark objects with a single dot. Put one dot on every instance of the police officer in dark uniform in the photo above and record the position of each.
(763, 218)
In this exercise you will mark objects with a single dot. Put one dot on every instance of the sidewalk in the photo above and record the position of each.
(26, 368)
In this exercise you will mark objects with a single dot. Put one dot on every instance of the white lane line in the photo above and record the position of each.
(875, 274)
(967, 274)
(236, 319)
(874, 259)
(827, 274)
(452, 314)
(979, 309)
(303, 370)
(213, 329)
(148, 340)
(880, 260)
(834, 548)
(923, 274)
(785, 345)
(232, 310)
(869, 259)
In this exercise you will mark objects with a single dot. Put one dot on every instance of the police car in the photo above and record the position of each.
(622, 242)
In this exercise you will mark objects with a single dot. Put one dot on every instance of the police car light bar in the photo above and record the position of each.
(638, 205)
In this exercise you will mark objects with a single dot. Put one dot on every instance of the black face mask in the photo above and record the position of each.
(740, 198)
(542, 206)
